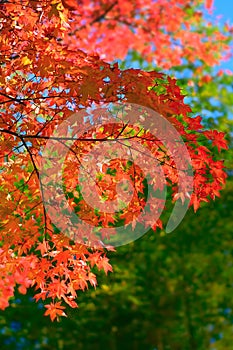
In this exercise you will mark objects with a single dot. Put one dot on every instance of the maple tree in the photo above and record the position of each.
(146, 27)
(48, 72)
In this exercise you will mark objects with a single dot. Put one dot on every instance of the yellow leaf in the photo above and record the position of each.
(26, 61)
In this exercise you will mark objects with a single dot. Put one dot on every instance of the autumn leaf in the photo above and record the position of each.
(26, 61)
(71, 5)
(54, 310)
(209, 4)
(218, 139)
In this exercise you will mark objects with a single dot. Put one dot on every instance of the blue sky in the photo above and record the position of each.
(224, 8)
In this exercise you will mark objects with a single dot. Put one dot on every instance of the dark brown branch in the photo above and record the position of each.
(15, 99)
(38, 176)
(95, 20)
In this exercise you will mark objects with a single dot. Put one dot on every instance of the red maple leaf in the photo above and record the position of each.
(54, 310)
(218, 138)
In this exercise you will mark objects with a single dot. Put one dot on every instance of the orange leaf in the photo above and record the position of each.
(209, 4)
(54, 310)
